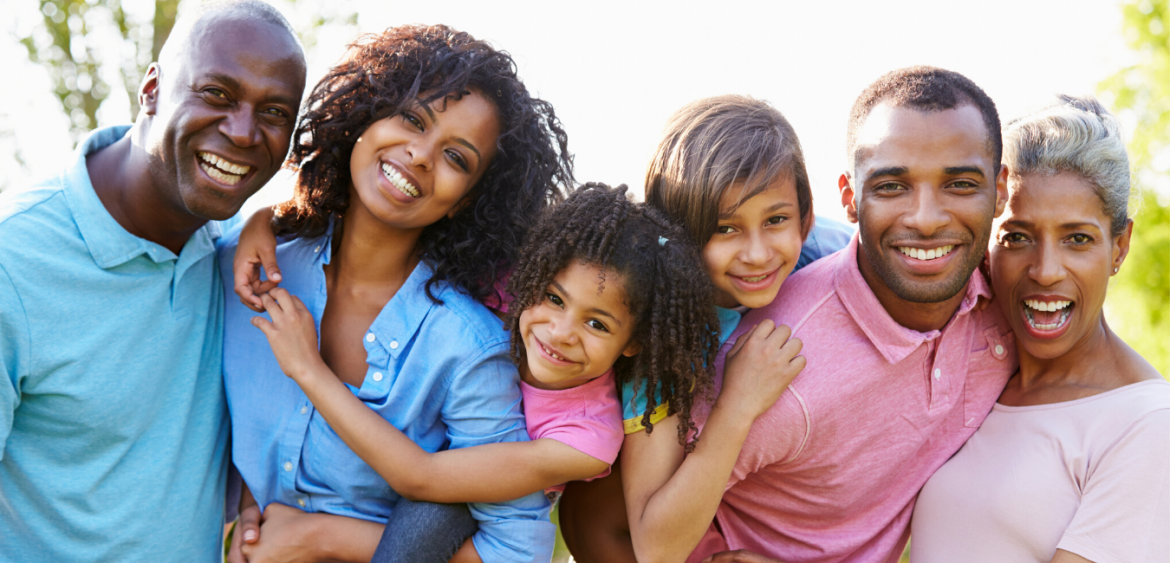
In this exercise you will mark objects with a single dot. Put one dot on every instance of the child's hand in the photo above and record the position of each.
(257, 247)
(292, 333)
(759, 368)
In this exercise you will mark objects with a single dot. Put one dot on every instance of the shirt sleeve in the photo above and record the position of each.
(14, 344)
(483, 407)
(1125, 504)
(634, 404)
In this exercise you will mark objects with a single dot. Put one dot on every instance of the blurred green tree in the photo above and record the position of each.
(65, 46)
(1138, 304)
(74, 44)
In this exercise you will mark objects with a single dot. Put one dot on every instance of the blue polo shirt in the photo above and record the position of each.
(113, 426)
(439, 373)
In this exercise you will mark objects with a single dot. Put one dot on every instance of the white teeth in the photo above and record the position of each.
(398, 181)
(229, 179)
(1047, 306)
(551, 353)
(920, 254)
(753, 279)
(223, 165)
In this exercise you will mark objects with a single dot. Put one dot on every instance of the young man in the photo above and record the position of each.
(113, 424)
(902, 362)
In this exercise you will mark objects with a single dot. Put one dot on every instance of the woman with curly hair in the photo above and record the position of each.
(420, 161)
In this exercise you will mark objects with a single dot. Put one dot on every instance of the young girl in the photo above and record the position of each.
(421, 159)
(729, 170)
(605, 288)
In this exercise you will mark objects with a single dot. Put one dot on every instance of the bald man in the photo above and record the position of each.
(113, 423)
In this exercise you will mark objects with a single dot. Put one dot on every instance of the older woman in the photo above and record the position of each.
(1072, 463)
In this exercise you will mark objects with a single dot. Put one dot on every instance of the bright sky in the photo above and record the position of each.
(615, 70)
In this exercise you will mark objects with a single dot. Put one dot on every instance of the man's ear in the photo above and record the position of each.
(1001, 191)
(848, 197)
(148, 90)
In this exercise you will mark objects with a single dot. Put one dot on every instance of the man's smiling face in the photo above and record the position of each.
(924, 190)
(223, 107)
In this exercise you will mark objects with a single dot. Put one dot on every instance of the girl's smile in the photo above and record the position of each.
(578, 330)
(755, 246)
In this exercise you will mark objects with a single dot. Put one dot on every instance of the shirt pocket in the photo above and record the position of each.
(991, 364)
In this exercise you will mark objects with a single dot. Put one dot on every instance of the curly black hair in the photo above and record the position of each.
(664, 283)
(382, 75)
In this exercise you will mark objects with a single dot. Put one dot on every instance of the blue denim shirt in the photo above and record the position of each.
(113, 424)
(439, 373)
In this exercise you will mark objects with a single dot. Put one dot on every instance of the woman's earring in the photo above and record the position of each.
(1115, 269)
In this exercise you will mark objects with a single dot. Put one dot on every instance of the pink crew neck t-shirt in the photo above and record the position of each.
(587, 418)
(1088, 476)
(831, 471)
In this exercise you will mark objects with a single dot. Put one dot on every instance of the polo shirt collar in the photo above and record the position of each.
(108, 242)
(893, 340)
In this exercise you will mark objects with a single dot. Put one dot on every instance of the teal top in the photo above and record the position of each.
(112, 411)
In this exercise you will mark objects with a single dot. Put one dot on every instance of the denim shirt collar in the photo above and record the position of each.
(893, 340)
(401, 317)
(108, 242)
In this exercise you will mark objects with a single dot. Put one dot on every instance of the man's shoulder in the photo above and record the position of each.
(36, 203)
(804, 292)
(37, 226)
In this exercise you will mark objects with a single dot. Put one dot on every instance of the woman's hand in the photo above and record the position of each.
(247, 528)
(292, 334)
(759, 368)
(289, 535)
(283, 539)
(247, 531)
(256, 249)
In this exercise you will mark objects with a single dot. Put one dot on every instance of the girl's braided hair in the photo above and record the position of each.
(382, 75)
(665, 286)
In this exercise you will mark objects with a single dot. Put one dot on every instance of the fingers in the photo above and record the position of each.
(244, 275)
(250, 524)
(739, 342)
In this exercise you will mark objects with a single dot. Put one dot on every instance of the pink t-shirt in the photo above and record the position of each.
(587, 418)
(1088, 476)
(830, 472)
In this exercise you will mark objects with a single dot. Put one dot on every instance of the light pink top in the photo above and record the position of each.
(1091, 477)
(587, 418)
(830, 472)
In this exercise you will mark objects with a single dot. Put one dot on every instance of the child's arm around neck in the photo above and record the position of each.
(485, 473)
